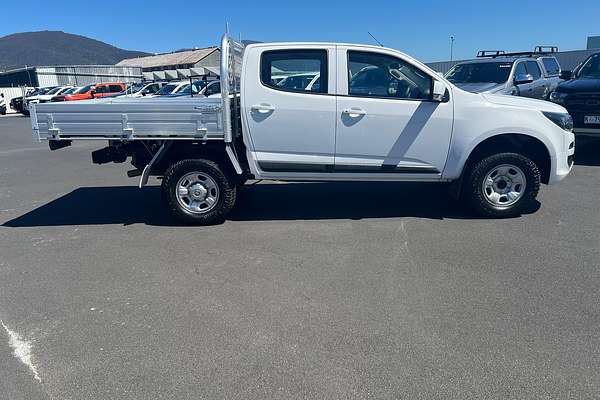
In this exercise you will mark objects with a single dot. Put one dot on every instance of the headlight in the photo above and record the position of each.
(561, 119)
(558, 97)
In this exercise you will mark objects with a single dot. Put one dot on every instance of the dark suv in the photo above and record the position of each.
(580, 95)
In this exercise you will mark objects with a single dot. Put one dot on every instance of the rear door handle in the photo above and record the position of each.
(354, 112)
(262, 108)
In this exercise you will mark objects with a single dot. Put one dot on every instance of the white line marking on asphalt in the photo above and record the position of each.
(21, 350)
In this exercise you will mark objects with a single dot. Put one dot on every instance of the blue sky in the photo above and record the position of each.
(419, 28)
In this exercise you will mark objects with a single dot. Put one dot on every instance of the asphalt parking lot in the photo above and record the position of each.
(308, 291)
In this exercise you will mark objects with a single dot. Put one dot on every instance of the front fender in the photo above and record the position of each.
(462, 147)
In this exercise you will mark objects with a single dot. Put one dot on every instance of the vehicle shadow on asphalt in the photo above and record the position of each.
(587, 151)
(265, 201)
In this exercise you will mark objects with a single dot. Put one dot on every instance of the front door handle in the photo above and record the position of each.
(354, 112)
(262, 108)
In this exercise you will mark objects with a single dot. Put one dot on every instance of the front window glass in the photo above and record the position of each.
(591, 68)
(213, 88)
(534, 70)
(520, 70)
(484, 72)
(187, 89)
(152, 88)
(380, 75)
(293, 70)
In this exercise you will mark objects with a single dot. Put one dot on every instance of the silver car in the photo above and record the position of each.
(528, 74)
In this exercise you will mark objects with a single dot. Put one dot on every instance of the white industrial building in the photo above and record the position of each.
(177, 65)
(76, 75)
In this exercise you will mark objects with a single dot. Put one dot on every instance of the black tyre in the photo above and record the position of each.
(198, 192)
(502, 185)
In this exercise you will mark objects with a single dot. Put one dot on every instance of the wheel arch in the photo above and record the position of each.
(181, 150)
(520, 143)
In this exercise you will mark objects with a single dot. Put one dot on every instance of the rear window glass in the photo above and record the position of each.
(294, 70)
(116, 88)
(551, 65)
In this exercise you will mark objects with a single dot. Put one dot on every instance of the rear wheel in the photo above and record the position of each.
(198, 192)
(503, 185)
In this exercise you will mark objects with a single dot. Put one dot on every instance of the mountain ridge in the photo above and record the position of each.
(58, 48)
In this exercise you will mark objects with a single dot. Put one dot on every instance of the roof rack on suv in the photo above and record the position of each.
(501, 53)
(546, 49)
(490, 53)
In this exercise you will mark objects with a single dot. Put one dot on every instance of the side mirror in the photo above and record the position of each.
(92, 92)
(523, 79)
(439, 91)
(566, 75)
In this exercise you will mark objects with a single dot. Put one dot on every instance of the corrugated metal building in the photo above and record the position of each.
(568, 60)
(76, 75)
(178, 65)
(593, 42)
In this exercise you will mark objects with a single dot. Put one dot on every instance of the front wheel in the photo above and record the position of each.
(503, 185)
(198, 192)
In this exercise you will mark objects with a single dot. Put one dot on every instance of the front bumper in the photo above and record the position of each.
(562, 162)
(587, 131)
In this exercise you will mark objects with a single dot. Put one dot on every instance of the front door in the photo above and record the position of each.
(539, 83)
(290, 117)
(523, 89)
(387, 122)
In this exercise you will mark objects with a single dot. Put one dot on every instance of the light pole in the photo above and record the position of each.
(451, 47)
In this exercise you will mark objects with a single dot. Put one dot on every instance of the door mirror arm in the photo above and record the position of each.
(523, 79)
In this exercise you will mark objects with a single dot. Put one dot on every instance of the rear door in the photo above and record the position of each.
(291, 128)
(115, 88)
(387, 123)
(101, 90)
(552, 73)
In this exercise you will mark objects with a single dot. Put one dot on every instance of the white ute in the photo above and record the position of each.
(376, 115)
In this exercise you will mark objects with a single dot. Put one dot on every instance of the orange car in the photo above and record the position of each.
(96, 91)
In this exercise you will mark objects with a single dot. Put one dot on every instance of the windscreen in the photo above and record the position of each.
(591, 68)
(167, 89)
(496, 72)
(84, 89)
(136, 87)
(55, 90)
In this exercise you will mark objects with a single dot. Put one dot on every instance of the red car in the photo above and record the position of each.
(96, 91)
